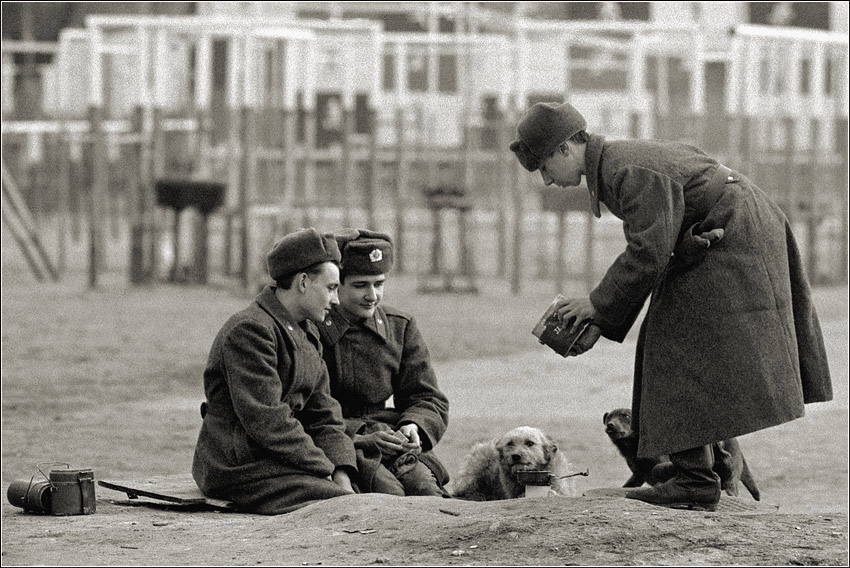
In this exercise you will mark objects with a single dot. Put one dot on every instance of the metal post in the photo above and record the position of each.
(97, 194)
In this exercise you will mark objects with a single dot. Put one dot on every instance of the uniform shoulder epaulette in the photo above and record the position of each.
(393, 312)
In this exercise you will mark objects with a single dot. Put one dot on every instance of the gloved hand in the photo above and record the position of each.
(586, 340)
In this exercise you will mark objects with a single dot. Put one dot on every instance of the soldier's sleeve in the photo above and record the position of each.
(416, 393)
(653, 207)
(322, 415)
(251, 360)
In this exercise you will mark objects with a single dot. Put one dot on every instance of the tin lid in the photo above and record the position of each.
(59, 475)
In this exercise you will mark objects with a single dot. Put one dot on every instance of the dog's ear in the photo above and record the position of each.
(605, 418)
(499, 444)
(550, 448)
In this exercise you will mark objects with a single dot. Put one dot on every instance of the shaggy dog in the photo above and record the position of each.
(489, 473)
(729, 462)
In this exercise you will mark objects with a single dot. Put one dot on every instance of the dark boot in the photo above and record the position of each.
(695, 485)
(420, 481)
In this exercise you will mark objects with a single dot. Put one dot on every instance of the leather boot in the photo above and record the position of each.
(420, 481)
(695, 486)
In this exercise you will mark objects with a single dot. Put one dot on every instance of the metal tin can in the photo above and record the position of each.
(73, 492)
(533, 477)
(33, 496)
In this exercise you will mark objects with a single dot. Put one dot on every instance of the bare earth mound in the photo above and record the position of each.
(381, 529)
(110, 379)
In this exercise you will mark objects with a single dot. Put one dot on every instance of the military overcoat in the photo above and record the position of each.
(270, 414)
(385, 358)
(731, 342)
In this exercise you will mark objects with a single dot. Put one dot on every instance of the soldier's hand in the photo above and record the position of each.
(587, 340)
(708, 238)
(340, 477)
(576, 309)
(389, 443)
(411, 432)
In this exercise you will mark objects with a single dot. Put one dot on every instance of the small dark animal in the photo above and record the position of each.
(729, 462)
(618, 426)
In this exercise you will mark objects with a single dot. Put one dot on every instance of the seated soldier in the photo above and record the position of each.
(273, 438)
(374, 353)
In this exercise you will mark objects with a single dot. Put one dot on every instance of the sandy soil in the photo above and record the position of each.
(110, 379)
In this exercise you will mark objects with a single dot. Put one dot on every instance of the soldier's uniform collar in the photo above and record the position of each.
(335, 326)
(297, 332)
(592, 161)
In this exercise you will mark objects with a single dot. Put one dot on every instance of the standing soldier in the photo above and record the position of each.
(273, 439)
(731, 342)
(375, 353)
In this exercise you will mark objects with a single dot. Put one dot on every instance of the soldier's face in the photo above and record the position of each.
(321, 292)
(563, 168)
(359, 295)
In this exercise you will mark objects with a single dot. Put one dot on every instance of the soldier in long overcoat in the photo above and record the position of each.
(273, 438)
(730, 343)
(376, 354)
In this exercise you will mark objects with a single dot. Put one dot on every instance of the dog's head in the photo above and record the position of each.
(618, 423)
(525, 449)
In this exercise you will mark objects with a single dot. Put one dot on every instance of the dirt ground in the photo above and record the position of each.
(110, 379)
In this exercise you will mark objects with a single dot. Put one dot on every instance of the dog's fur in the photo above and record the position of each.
(489, 472)
(729, 462)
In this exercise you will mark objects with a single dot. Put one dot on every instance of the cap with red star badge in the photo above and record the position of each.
(364, 251)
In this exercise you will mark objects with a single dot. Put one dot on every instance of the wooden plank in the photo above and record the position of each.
(177, 489)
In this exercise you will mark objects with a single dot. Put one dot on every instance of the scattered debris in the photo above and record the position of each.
(452, 513)
(360, 531)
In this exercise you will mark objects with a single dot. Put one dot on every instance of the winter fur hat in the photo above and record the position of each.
(364, 251)
(299, 250)
(542, 128)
